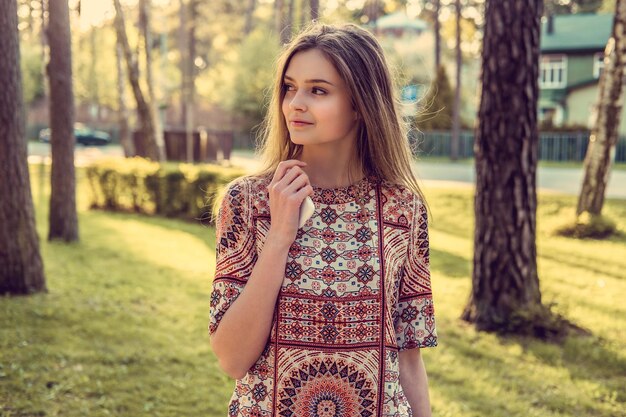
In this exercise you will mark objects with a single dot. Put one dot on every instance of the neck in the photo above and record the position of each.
(328, 168)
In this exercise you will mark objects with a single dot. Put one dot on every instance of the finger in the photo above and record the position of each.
(291, 175)
(283, 167)
(296, 184)
(304, 192)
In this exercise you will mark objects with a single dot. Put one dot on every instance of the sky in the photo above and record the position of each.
(95, 12)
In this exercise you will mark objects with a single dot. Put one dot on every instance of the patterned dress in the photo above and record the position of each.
(356, 291)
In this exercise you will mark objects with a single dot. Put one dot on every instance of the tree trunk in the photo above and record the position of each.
(279, 21)
(144, 112)
(456, 116)
(190, 80)
(249, 17)
(146, 34)
(184, 50)
(21, 267)
(302, 10)
(29, 18)
(93, 75)
(44, 45)
(289, 23)
(315, 9)
(437, 30)
(63, 217)
(122, 110)
(505, 285)
(605, 132)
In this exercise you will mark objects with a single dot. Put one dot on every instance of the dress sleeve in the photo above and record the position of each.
(234, 250)
(415, 316)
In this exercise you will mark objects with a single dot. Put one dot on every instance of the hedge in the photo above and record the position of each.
(172, 190)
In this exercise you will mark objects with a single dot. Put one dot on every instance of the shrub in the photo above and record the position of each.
(172, 190)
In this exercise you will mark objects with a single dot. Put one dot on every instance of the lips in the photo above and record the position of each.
(298, 122)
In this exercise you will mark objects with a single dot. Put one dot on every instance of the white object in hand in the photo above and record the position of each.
(306, 210)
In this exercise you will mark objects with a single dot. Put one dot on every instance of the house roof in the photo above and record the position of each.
(400, 20)
(577, 32)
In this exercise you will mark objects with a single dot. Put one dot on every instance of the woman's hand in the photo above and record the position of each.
(287, 190)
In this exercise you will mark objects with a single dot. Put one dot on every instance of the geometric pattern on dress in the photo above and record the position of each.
(234, 250)
(320, 322)
(331, 302)
(318, 384)
(416, 277)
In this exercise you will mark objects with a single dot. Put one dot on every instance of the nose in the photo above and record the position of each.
(296, 102)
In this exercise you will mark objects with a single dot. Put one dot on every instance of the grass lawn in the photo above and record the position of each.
(122, 330)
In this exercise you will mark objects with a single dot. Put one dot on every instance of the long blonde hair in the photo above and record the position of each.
(382, 143)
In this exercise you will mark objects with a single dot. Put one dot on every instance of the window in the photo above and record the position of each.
(553, 71)
(598, 64)
(551, 116)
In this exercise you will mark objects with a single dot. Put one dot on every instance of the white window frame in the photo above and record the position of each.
(598, 64)
(549, 67)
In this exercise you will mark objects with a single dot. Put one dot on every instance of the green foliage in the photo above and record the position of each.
(32, 72)
(172, 190)
(436, 110)
(243, 84)
(588, 226)
(94, 66)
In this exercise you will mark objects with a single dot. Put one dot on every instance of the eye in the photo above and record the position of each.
(287, 87)
(318, 91)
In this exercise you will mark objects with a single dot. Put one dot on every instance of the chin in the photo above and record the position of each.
(297, 141)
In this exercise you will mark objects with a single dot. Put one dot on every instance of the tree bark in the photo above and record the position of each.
(437, 30)
(63, 217)
(21, 266)
(302, 16)
(608, 112)
(315, 9)
(190, 79)
(456, 115)
(144, 112)
(122, 110)
(44, 44)
(93, 76)
(184, 50)
(279, 21)
(146, 34)
(289, 24)
(249, 17)
(505, 285)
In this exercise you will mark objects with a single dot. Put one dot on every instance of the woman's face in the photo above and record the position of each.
(317, 106)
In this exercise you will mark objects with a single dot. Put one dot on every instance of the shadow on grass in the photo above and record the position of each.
(117, 333)
(579, 263)
(449, 264)
(586, 357)
(198, 228)
(471, 383)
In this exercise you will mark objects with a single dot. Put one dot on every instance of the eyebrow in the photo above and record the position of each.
(313, 81)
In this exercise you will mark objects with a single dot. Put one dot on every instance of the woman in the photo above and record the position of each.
(327, 319)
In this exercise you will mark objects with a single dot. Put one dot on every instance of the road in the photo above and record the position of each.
(553, 179)
(438, 174)
(433, 174)
(83, 155)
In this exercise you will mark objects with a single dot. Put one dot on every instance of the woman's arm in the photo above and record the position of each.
(414, 382)
(243, 332)
(244, 329)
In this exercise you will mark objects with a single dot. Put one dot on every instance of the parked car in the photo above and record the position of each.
(84, 136)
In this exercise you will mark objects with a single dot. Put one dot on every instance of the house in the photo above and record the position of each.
(399, 25)
(572, 59)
